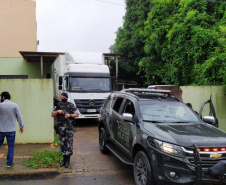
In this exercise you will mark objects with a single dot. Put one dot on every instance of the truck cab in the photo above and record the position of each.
(86, 80)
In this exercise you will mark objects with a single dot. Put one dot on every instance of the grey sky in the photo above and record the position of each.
(78, 25)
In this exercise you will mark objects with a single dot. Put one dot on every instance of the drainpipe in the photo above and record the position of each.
(41, 66)
(116, 78)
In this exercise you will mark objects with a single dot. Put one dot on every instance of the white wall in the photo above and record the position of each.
(196, 95)
(35, 100)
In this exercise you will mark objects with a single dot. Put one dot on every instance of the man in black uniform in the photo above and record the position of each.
(65, 110)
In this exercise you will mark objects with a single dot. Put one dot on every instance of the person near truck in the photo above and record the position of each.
(9, 113)
(190, 106)
(65, 110)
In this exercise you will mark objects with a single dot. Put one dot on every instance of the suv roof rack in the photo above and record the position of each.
(146, 91)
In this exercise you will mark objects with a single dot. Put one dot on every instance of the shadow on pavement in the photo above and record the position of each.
(86, 122)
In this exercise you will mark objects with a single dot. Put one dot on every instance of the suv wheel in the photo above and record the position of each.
(142, 170)
(102, 141)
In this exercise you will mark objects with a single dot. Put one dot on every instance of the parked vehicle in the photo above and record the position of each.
(164, 140)
(85, 78)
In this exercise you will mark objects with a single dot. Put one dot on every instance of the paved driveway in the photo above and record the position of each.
(88, 160)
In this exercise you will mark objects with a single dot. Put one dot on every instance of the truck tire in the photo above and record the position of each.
(142, 170)
(103, 140)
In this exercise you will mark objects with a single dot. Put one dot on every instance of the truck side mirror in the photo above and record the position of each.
(127, 117)
(209, 119)
(60, 87)
(60, 80)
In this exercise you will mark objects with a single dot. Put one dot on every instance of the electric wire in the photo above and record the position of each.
(111, 2)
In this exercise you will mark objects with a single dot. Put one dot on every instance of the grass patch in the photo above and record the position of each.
(46, 159)
(56, 141)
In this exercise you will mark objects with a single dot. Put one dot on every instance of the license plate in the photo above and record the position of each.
(91, 110)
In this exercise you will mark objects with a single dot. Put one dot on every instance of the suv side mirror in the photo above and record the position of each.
(127, 117)
(210, 120)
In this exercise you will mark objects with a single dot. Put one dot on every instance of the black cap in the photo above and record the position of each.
(64, 94)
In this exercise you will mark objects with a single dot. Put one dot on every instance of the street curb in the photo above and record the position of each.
(29, 174)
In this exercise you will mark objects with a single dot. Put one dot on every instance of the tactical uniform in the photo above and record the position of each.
(65, 134)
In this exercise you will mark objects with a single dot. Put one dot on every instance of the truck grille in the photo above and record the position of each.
(208, 159)
(207, 162)
(89, 106)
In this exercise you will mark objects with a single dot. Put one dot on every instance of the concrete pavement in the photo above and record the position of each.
(23, 152)
(87, 161)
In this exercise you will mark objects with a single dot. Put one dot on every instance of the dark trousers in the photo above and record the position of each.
(66, 141)
(10, 138)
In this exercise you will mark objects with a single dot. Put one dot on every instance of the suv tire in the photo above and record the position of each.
(103, 140)
(142, 170)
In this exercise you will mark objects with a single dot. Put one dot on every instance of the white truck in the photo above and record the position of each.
(86, 80)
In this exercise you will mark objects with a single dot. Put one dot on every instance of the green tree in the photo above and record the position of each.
(180, 42)
(185, 42)
(129, 41)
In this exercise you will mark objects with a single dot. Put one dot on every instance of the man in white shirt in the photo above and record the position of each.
(9, 113)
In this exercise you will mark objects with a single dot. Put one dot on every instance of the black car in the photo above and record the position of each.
(164, 140)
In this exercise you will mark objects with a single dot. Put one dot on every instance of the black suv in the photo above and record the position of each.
(164, 140)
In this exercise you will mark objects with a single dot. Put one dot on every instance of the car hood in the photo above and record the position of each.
(187, 134)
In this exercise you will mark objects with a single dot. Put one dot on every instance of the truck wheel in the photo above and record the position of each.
(142, 170)
(102, 141)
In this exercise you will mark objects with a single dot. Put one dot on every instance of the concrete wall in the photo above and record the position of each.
(18, 27)
(19, 66)
(196, 95)
(35, 100)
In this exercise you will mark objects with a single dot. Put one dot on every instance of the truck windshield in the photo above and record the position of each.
(173, 112)
(89, 84)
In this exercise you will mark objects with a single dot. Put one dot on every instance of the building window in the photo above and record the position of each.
(13, 76)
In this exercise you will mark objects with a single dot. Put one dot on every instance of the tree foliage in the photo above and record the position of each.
(129, 41)
(180, 42)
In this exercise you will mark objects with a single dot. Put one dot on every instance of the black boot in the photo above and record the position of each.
(63, 161)
(67, 162)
